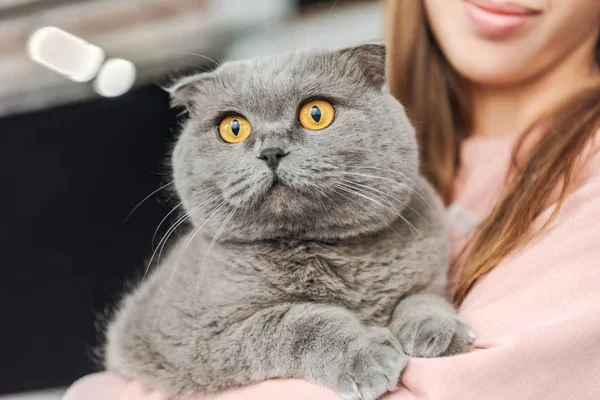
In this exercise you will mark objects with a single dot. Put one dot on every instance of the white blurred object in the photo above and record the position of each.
(65, 53)
(115, 78)
(159, 36)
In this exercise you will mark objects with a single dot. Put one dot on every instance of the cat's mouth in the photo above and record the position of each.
(280, 191)
(276, 185)
(278, 195)
(276, 182)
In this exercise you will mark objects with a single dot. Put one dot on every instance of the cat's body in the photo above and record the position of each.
(291, 272)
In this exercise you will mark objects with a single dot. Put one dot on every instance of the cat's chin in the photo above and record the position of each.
(281, 200)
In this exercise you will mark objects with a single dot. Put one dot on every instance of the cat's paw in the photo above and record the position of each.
(434, 333)
(372, 366)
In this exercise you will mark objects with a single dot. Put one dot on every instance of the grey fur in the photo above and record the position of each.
(303, 277)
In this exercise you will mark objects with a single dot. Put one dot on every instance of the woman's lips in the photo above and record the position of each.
(497, 19)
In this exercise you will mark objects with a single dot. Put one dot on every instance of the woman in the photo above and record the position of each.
(507, 100)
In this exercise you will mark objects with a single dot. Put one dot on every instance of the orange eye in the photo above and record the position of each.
(316, 115)
(234, 129)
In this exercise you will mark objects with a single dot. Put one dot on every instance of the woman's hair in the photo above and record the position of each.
(437, 101)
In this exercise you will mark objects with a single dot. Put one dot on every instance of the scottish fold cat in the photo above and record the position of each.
(317, 251)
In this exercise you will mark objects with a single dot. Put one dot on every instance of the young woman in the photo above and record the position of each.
(506, 96)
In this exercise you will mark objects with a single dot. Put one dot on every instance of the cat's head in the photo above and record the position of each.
(306, 145)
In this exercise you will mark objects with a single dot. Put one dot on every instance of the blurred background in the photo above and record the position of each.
(73, 165)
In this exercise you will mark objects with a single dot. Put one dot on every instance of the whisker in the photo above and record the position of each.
(163, 220)
(392, 171)
(356, 192)
(197, 230)
(166, 236)
(394, 181)
(346, 197)
(402, 176)
(318, 188)
(210, 247)
(322, 193)
(356, 202)
(392, 229)
(176, 207)
(397, 234)
(389, 196)
(353, 185)
(190, 239)
(146, 198)
(205, 57)
(182, 220)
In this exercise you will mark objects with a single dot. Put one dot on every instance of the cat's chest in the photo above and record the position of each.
(370, 283)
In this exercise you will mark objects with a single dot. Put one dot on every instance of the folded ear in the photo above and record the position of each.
(370, 59)
(185, 91)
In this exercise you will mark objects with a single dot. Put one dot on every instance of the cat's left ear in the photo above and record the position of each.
(184, 92)
(371, 59)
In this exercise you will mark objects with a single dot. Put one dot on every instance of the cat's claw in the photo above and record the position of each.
(472, 336)
(372, 367)
(434, 334)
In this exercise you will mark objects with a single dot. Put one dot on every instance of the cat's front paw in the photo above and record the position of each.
(434, 333)
(372, 366)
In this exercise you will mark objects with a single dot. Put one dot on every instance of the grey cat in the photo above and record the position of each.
(316, 253)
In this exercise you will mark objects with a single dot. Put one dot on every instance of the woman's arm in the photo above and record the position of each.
(558, 361)
(536, 316)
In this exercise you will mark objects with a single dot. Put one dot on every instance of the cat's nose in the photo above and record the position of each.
(271, 156)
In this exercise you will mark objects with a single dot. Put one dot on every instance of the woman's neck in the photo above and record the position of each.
(509, 110)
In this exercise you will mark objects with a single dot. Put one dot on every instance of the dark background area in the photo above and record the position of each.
(70, 176)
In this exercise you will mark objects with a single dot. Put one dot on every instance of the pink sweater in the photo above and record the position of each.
(536, 315)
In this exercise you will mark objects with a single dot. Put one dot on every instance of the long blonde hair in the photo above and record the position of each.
(437, 101)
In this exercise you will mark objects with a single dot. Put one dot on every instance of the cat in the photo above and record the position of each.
(317, 249)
